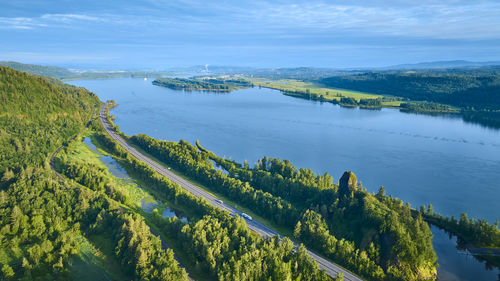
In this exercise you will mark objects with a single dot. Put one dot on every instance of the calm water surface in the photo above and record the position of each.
(420, 159)
(148, 203)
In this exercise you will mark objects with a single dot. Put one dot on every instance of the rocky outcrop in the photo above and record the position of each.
(348, 183)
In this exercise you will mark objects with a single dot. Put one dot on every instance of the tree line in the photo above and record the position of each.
(218, 244)
(278, 191)
(210, 84)
(336, 99)
(42, 217)
(470, 91)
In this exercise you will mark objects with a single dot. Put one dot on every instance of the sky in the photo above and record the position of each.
(158, 34)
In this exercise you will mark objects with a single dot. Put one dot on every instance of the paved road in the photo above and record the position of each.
(330, 268)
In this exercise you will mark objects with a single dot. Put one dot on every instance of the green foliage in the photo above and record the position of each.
(228, 247)
(52, 71)
(37, 115)
(398, 242)
(312, 229)
(426, 107)
(66, 74)
(42, 217)
(219, 245)
(210, 84)
(37, 229)
(187, 158)
(478, 91)
(141, 252)
(470, 232)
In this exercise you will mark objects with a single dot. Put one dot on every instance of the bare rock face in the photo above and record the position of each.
(348, 182)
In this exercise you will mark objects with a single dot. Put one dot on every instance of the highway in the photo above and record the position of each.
(331, 269)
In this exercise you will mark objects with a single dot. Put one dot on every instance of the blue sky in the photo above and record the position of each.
(158, 34)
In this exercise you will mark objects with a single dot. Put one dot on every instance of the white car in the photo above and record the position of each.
(246, 216)
(219, 201)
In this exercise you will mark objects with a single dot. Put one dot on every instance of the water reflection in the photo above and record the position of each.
(92, 147)
(148, 203)
(442, 160)
(170, 213)
(219, 168)
(455, 264)
(115, 169)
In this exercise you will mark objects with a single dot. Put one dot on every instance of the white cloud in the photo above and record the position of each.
(44, 21)
(68, 17)
(19, 23)
(447, 19)
(467, 21)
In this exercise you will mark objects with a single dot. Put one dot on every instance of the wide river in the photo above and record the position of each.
(453, 165)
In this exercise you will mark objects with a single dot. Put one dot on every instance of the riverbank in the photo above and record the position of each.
(387, 147)
(348, 98)
(206, 84)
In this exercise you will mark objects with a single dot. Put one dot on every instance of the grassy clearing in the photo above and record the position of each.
(329, 94)
(291, 84)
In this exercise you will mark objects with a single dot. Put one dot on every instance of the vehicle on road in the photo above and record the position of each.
(219, 201)
(246, 216)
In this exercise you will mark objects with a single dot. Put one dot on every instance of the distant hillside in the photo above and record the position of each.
(443, 64)
(465, 91)
(42, 70)
(66, 74)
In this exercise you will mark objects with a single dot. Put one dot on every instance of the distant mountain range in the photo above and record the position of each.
(271, 73)
(68, 74)
(52, 71)
(443, 64)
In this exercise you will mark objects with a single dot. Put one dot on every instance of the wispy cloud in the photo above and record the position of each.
(188, 30)
(19, 23)
(470, 21)
(45, 20)
(445, 20)
(68, 17)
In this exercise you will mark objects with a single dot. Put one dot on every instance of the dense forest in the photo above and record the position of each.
(216, 244)
(375, 238)
(203, 84)
(43, 219)
(467, 91)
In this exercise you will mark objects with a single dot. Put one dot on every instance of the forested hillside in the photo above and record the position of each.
(44, 221)
(45, 70)
(67, 74)
(468, 91)
(86, 226)
(37, 231)
(37, 115)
